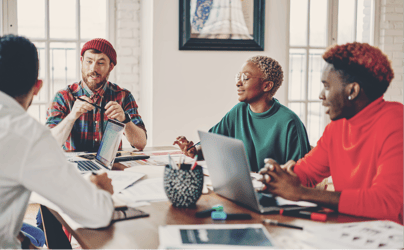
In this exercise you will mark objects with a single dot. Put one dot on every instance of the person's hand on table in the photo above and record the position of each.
(102, 182)
(80, 107)
(281, 181)
(114, 111)
(186, 146)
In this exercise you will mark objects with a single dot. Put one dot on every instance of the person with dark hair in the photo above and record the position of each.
(361, 148)
(266, 127)
(78, 125)
(32, 161)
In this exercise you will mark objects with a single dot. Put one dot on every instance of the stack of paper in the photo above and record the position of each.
(123, 179)
(149, 190)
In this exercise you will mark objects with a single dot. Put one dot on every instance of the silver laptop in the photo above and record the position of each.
(229, 172)
(108, 148)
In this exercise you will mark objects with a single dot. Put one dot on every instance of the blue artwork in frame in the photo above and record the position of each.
(221, 25)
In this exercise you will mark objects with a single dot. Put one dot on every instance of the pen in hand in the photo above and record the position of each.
(81, 99)
(193, 145)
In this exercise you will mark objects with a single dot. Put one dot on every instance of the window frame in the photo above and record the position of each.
(9, 25)
(332, 38)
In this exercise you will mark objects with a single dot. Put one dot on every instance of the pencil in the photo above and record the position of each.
(276, 223)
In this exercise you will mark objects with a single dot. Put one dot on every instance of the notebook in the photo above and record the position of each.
(229, 172)
(108, 148)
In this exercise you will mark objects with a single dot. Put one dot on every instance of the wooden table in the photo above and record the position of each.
(143, 232)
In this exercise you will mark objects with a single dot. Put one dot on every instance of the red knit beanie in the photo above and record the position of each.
(102, 45)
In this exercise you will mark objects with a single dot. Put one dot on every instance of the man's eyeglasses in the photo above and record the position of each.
(243, 77)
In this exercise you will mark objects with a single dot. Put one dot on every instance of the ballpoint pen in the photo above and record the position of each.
(276, 223)
(103, 109)
(193, 145)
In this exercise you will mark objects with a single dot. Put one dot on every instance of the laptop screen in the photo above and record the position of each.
(110, 142)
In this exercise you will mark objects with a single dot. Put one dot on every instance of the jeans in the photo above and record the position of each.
(36, 235)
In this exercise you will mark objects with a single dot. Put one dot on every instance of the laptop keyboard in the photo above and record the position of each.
(87, 166)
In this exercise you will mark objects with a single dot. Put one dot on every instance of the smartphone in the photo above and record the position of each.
(127, 214)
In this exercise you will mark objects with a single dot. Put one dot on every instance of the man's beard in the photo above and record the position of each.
(94, 86)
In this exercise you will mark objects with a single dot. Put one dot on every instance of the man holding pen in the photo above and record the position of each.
(73, 118)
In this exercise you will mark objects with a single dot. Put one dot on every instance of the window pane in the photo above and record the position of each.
(346, 21)
(298, 108)
(42, 95)
(31, 18)
(93, 18)
(298, 22)
(365, 21)
(318, 23)
(316, 64)
(315, 122)
(62, 16)
(297, 74)
(63, 64)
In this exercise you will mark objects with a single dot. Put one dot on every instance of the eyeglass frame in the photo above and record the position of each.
(239, 77)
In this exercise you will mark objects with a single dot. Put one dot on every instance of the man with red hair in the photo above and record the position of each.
(361, 148)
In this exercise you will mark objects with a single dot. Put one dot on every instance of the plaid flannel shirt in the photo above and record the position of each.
(88, 129)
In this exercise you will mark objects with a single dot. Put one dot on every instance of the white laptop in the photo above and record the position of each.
(229, 172)
(108, 148)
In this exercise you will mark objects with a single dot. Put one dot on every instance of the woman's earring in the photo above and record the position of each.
(349, 98)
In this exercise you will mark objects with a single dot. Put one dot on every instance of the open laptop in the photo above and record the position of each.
(108, 148)
(229, 172)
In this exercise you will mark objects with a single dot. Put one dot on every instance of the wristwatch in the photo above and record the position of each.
(127, 118)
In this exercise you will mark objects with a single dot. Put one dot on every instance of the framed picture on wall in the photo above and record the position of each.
(221, 24)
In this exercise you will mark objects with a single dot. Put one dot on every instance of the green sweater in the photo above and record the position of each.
(276, 133)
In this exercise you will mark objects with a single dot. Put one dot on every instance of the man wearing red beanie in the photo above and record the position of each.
(78, 125)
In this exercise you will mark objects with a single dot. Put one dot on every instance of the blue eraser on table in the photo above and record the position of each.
(219, 215)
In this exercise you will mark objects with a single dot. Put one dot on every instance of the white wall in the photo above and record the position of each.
(391, 42)
(183, 91)
(191, 90)
(127, 45)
